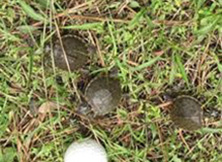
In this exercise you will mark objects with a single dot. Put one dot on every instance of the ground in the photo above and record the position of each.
(157, 46)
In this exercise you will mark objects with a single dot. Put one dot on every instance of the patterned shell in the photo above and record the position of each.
(103, 94)
(186, 113)
(76, 52)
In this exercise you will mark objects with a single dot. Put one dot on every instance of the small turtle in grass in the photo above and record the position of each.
(71, 50)
(186, 113)
(102, 94)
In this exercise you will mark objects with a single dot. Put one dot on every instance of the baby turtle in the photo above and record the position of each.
(76, 50)
(103, 94)
(186, 113)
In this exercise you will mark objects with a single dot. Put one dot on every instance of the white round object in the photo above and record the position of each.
(85, 151)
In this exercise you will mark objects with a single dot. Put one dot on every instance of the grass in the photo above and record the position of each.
(155, 45)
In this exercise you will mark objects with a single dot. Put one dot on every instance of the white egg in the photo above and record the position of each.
(85, 151)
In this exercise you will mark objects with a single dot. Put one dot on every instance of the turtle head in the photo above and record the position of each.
(114, 71)
(83, 108)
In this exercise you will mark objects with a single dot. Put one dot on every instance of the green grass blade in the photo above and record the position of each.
(173, 70)
(209, 27)
(44, 3)
(210, 130)
(146, 64)
(219, 65)
(137, 18)
(30, 68)
(87, 26)
(7, 35)
(181, 69)
(8, 154)
(27, 28)
(30, 11)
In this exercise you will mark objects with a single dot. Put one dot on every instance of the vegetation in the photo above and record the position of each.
(156, 44)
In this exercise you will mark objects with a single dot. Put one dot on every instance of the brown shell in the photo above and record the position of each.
(186, 113)
(103, 94)
(76, 52)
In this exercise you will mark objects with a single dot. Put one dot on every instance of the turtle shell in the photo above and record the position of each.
(103, 94)
(76, 52)
(186, 113)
